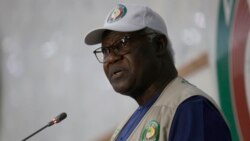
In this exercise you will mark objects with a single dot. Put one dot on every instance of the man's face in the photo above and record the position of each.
(131, 73)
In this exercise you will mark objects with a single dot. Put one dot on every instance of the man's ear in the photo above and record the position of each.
(161, 43)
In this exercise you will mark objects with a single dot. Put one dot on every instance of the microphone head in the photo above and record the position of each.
(61, 117)
(57, 119)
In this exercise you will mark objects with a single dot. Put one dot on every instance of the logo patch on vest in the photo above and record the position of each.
(151, 131)
(118, 13)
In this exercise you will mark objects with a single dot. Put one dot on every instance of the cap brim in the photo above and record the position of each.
(95, 36)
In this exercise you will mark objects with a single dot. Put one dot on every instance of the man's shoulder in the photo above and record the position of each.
(178, 91)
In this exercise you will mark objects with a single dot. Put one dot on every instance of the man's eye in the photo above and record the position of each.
(120, 44)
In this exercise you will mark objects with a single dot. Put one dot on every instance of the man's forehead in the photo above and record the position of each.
(111, 36)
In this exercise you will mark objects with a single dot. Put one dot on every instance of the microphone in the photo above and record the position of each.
(55, 120)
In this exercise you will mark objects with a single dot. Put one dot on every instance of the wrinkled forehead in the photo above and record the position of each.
(110, 36)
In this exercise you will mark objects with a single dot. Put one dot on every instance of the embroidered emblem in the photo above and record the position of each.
(118, 13)
(151, 131)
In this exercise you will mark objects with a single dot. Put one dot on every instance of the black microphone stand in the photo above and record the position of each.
(36, 132)
(57, 119)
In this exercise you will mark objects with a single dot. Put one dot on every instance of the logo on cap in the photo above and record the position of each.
(118, 13)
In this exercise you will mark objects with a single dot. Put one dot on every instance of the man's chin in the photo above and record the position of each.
(122, 87)
(121, 90)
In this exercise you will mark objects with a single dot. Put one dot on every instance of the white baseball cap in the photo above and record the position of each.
(128, 18)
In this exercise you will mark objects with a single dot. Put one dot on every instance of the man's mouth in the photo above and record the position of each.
(116, 73)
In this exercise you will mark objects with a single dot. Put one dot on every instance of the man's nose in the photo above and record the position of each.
(112, 57)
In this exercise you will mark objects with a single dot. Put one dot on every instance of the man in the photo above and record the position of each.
(138, 61)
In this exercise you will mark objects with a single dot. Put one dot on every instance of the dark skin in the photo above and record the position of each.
(142, 72)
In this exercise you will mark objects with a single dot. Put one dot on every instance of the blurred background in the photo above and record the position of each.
(46, 68)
